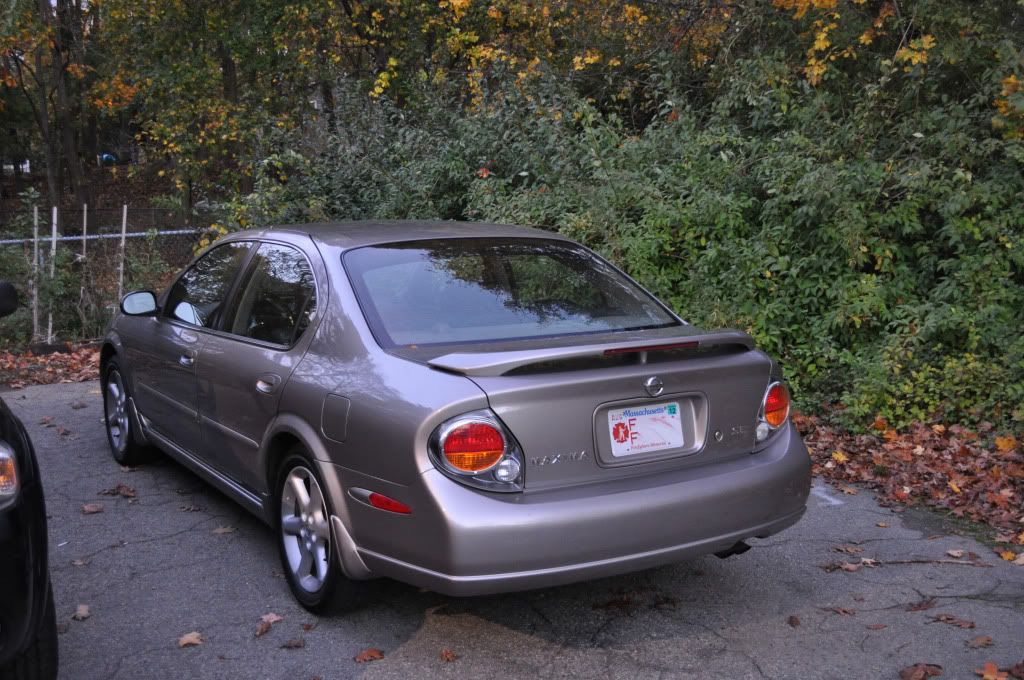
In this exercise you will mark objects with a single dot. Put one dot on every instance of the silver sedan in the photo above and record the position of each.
(470, 408)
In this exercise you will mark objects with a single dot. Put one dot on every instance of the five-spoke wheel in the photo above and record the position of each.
(305, 532)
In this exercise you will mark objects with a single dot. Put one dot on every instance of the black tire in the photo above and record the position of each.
(39, 660)
(120, 426)
(334, 592)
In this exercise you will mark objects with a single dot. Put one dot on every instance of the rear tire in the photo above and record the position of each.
(305, 540)
(117, 417)
(39, 660)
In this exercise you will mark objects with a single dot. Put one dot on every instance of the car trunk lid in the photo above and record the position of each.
(576, 409)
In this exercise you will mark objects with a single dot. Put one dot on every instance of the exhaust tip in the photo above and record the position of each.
(738, 548)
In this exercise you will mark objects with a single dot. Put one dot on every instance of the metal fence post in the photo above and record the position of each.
(53, 273)
(120, 271)
(35, 273)
(85, 226)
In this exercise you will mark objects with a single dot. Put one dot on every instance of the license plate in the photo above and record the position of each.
(645, 429)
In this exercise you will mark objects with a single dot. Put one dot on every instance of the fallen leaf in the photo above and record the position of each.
(839, 457)
(955, 553)
(1017, 670)
(793, 621)
(990, 671)
(369, 654)
(224, 530)
(128, 468)
(192, 639)
(953, 621)
(1004, 444)
(308, 626)
(877, 626)
(81, 612)
(92, 508)
(122, 490)
(883, 525)
(262, 628)
(80, 562)
(1020, 560)
(847, 566)
(922, 605)
(448, 655)
(843, 611)
(1008, 555)
(849, 549)
(46, 421)
(190, 508)
(271, 618)
(920, 671)
(979, 642)
(297, 643)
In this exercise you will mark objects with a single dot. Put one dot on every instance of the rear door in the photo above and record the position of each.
(164, 351)
(242, 369)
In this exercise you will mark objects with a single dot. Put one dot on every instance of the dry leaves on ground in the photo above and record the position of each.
(969, 473)
(793, 621)
(92, 508)
(369, 654)
(979, 642)
(953, 621)
(266, 623)
(81, 612)
(192, 639)
(297, 643)
(448, 655)
(220, 531)
(75, 365)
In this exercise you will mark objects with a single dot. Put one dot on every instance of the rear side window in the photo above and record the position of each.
(480, 289)
(198, 295)
(278, 300)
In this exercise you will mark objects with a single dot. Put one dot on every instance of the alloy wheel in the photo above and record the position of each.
(115, 404)
(305, 532)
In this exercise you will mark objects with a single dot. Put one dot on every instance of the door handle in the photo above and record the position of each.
(267, 383)
(186, 360)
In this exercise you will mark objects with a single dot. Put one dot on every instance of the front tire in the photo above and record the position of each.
(39, 660)
(121, 434)
(305, 540)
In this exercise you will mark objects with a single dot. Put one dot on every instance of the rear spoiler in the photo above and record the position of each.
(500, 363)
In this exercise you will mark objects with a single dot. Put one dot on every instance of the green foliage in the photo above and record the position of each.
(879, 256)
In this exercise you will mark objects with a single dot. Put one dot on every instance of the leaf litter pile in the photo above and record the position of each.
(75, 365)
(971, 474)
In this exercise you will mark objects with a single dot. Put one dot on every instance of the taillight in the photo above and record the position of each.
(475, 449)
(473, 446)
(8, 472)
(776, 405)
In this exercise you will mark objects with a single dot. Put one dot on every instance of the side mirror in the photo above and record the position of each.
(140, 303)
(8, 298)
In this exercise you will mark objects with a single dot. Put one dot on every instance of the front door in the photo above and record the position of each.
(242, 370)
(164, 353)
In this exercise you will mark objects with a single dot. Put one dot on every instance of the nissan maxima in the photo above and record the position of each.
(469, 408)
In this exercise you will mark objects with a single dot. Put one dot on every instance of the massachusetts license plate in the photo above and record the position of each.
(644, 429)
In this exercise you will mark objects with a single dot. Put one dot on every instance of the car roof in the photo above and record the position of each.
(347, 235)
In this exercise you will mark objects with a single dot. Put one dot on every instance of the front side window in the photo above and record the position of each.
(198, 295)
(485, 289)
(278, 300)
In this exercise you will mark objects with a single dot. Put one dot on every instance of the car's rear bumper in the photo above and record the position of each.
(464, 542)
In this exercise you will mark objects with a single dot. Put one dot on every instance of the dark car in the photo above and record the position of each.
(28, 626)
(469, 408)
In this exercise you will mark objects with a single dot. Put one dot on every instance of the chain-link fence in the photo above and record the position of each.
(71, 277)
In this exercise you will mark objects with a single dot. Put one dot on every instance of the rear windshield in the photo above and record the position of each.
(478, 289)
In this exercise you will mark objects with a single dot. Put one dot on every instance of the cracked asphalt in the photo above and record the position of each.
(156, 571)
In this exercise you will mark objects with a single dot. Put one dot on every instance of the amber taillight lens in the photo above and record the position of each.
(776, 405)
(473, 447)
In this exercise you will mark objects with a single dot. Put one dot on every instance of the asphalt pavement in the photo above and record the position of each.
(179, 557)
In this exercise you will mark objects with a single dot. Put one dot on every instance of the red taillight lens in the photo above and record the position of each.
(473, 447)
(379, 500)
(776, 405)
